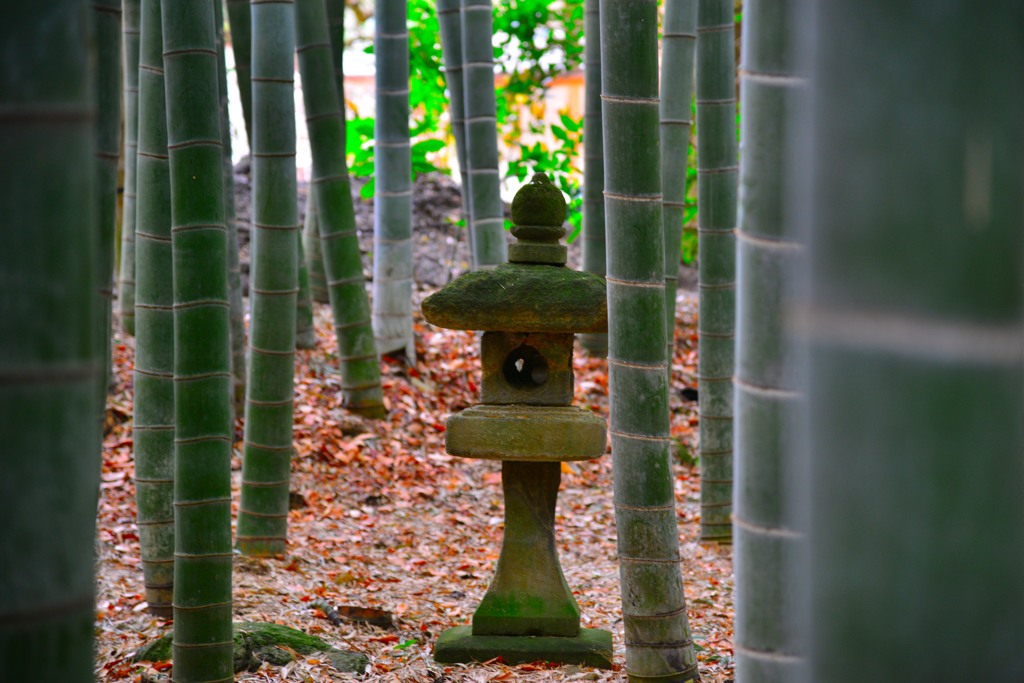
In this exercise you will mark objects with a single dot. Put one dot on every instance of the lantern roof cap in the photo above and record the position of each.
(518, 297)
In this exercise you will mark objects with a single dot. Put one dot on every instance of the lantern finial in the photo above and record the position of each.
(538, 215)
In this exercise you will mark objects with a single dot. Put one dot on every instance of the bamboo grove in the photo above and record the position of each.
(861, 311)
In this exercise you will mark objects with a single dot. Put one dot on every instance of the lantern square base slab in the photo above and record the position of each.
(592, 647)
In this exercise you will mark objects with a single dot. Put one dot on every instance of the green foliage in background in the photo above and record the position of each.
(535, 41)
(547, 35)
(360, 152)
(689, 244)
(426, 82)
(560, 163)
(427, 100)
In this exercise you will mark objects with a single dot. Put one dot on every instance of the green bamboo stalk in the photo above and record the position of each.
(263, 513)
(678, 43)
(49, 364)
(231, 218)
(153, 419)
(311, 229)
(313, 256)
(126, 273)
(915, 328)
(449, 20)
(594, 252)
(311, 225)
(202, 355)
(240, 25)
(305, 333)
(239, 22)
(768, 392)
(658, 642)
(392, 224)
(336, 36)
(716, 221)
(360, 371)
(107, 28)
(487, 220)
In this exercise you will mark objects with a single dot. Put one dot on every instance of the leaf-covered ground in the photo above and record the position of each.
(384, 519)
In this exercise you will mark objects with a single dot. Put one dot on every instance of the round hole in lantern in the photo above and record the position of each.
(525, 368)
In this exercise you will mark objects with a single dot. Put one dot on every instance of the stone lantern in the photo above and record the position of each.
(528, 310)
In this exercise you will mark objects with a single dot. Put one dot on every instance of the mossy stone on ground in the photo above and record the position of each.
(592, 647)
(256, 643)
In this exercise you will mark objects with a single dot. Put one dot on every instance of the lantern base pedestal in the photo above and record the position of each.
(592, 647)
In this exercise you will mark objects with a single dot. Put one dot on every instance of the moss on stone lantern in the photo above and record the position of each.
(528, 310)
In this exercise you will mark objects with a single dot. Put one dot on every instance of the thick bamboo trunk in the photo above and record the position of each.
(360, 371)
(240, 25)
(153, 419)
(768, 394)
(915, 333)
(678, 42)
(49, 364)
(449, 21)
(392, 224)
(230, 217)
(107, 33)
(487, 219)
(716, 221)
(202, 353)
(594, 252)
(130, 66)
(658, 643)
(263, 513)
(336, 37)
